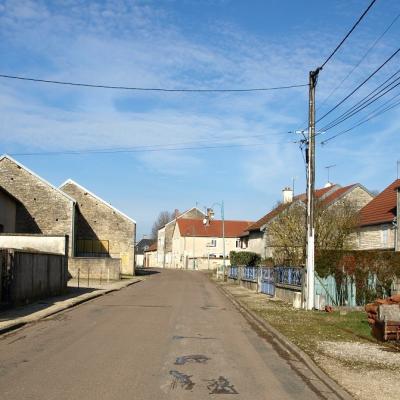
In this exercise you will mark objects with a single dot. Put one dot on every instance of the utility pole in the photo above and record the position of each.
(223, 237)
(313, 77)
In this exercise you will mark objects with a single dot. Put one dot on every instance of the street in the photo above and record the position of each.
(172, 336)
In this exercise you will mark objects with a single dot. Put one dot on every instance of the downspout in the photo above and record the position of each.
(73, 231)
(396, 223)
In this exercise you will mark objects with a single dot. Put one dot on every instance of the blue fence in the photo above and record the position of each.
(267, 281)
(288, 276)
(233, 272)
(250, 273)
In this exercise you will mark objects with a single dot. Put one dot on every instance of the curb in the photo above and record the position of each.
(290, 347)
(69, 303)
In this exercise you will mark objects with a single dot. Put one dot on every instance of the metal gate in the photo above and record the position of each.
(267, 281)
(5, 276)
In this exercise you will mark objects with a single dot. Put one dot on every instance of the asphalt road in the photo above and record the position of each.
(173, 336)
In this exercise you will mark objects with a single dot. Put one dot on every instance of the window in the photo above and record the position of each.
(213, 243)
(238, 243)
(1, 228)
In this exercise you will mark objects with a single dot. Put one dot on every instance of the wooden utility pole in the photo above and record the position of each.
(313, 77)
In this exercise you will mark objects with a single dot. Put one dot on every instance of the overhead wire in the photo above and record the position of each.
(374, 114)
(365, 55)
(150, 89)
(359, 86)
(348, 34)
(143, 150)
(371, 98)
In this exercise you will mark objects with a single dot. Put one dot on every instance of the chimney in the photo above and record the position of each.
(287, 195)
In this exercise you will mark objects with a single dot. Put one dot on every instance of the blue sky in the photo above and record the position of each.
(197, 44)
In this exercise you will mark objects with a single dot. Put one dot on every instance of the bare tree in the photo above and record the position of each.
(286, 233)
(163, 218)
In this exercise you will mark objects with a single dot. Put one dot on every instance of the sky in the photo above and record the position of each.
(213, 44)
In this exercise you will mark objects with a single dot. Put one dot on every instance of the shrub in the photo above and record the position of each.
(244, 258)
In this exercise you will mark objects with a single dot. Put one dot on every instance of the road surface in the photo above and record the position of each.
(173, 336)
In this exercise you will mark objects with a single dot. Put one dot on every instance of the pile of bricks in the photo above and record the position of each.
(384, 318)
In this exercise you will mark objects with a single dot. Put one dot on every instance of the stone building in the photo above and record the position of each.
(31, 205)
(100, 229)
(165, 234)
(256, 238)
(140, 249)
(379, 221)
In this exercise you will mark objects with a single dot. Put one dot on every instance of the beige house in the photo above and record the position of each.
(164, 237)
(379, 221)
(196, 245)
(256, 239)
(150, 256)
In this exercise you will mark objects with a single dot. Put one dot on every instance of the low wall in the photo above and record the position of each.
(286, 293)
(95, 268)
(249, 285)
(35, 276)
(34, 243)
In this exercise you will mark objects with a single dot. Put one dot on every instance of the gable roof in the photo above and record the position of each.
(97, 198)
(143, 245)
(182, 214)
(5, 156)
(327, 195)
(381, 209)
(196, 228)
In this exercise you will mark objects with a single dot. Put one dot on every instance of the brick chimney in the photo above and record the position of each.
(287, 195)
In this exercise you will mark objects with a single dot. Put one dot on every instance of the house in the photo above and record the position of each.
(164, 237)
(101, 230)
(35, 215)
(140, 248)
(150, 256)
(378, 224)
(199, 245)
(255, 238)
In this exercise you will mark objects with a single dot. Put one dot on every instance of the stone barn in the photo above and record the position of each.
(101, 231)
(29, 205)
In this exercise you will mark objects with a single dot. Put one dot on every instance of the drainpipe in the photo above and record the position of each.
(396, 230)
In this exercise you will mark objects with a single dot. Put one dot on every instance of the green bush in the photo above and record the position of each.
(244, 258)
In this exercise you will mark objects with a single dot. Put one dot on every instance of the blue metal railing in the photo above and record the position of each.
(267, 281)
(233, 272)
(290, 276)
(250, 273)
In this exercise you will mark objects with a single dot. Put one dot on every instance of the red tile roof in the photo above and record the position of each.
(152, 247)
(328, 195)
(195, 227)
(382, 209)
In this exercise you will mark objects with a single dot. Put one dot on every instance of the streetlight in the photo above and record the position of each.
(210, 216)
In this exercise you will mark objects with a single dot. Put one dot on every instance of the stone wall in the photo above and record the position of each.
(375, 237)
(97, 220)
(8, 209)
(95, 268)
(42, 208)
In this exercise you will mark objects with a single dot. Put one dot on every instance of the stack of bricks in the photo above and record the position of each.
(380, 317)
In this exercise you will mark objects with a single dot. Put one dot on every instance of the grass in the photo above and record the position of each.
(306, 328)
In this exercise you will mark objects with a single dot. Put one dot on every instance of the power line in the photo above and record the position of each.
(348, 34)
(142, 150)
(373, 115)
(377, 40)
(362, 104)
(144, 89)
(359, 86)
